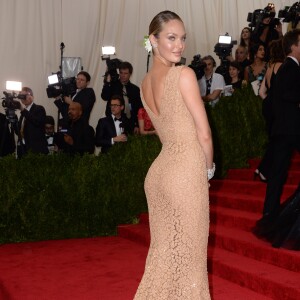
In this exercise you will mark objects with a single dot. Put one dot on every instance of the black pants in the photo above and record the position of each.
(283, 147)
(266, 162)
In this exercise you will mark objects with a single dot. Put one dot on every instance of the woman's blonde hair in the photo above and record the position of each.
(156, 25)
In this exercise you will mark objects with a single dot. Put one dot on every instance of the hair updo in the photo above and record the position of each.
(156, 25)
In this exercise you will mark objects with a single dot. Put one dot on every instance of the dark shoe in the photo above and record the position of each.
(264, 226)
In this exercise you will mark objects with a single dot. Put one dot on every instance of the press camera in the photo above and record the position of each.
(258, 15)
(10, 105)
(198, 66)
(112, 69)
(290, 14)
(112, 65)
(60, 86)
(224, 46)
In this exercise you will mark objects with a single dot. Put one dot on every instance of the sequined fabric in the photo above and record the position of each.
(177, 194)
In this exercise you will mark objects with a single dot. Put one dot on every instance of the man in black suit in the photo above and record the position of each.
(285, 135)
(129, 91)
(114, 128)
(7, 141)
(84, 95)
(80, 136)
(32, 124)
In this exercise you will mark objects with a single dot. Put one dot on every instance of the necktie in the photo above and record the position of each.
(208, 86)
(116, 119)
(126, 100)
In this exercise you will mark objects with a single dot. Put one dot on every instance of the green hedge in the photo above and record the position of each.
(238, 130)
(59, 196)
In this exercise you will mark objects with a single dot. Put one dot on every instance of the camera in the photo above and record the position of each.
(223, 49)
(10, 105)
(111, 64)
(112, 69)
(224, 46)
(290, 14)
(9, 101)
(198, 66)
(258, 15)
(60, 86)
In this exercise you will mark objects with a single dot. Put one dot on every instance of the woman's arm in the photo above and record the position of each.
(142, 128)
(191, 96)
(246, 74)
(213, 96)
(262, 89)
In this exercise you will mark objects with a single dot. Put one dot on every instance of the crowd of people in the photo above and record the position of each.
(36, 132)
(251, 60)
(248, 65)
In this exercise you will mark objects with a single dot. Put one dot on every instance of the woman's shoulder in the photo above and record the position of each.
(276, 67)
(186, 73)
(141, 111)
(145, 80)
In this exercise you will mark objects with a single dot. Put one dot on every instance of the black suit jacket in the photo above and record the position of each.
(83, 138)
(106, 130)
(85, 97)
(7, 141)
(133, 94)
(34, 129)
(286, 110)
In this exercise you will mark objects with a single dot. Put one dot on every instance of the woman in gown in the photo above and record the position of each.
(266, 93)
(176, 185)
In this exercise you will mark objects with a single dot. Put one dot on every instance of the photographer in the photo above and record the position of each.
(83, 95)
(7, 142)
(31, 124)
(130, 92)
(267, 29)
(211, 84)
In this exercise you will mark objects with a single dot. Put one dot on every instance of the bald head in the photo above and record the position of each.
(75, 111)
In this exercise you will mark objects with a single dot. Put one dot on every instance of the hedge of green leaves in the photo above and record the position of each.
(60, 196)
(238, 130)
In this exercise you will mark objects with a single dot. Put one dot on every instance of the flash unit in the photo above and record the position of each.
(53, 79)
(13, 85)
(225, 39)
(108, 50)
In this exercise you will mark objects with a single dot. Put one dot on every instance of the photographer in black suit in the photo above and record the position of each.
(84, 95)
(114, 128)
(129, 91)
(7, 141)
(285, 134)
(32, 124)
(268, 29)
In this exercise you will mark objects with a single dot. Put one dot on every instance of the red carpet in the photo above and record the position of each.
(80, 269)
(240, 265)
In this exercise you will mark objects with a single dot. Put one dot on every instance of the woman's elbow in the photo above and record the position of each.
(205, 137)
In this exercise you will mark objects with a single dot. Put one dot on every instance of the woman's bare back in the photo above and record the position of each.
(153, 88)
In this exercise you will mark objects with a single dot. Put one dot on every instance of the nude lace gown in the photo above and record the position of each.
(177, 194)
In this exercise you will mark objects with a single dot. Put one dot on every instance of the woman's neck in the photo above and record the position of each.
(234, 79)
(258, 61)
(158, 59)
